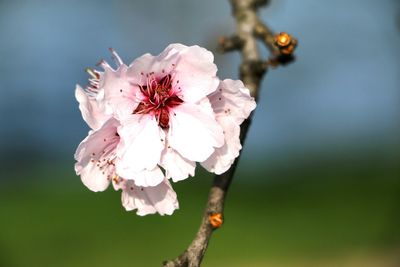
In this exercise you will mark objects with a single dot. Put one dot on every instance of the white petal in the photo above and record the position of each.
(175, 47)
(159, 66)
(141, 144)
(91, 164)
(92, 177)
(149, 200)
(222, 158)
(142, 178)
(89, 107)
(194, 132)
(232, 99)
(119, 94)
(196, 73)
(176, 167)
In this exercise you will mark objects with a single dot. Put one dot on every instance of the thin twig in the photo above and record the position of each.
(227, 44)
(252, 70)
(267, 36)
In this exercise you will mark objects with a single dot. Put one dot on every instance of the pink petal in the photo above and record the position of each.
(176, 167)
(119, 94)
(89, 107)
(91, 155)
(151, 177)
(159, 66)
(141, 144)
(196, 73)
(232, 99)
(222, 158)
(149, 200)
(194, 132)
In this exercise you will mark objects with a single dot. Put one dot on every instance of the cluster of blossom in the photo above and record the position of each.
(153, 120)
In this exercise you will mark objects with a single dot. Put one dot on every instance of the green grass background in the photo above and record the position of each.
(299, 218)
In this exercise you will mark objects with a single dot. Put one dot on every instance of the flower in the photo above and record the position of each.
(96, 157)
(167, 119)
(153, 120)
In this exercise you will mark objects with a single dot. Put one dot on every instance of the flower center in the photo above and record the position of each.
(159, 99)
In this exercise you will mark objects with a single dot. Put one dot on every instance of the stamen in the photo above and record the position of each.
(153, 84)
(92, 73)
(116, 57)
(158, 98)
(116, 179)
(103, 64)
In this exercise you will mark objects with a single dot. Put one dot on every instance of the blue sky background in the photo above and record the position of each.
(340, 97)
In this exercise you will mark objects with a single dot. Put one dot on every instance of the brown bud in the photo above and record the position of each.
(283, 39)
(285, 43)
(216, 220)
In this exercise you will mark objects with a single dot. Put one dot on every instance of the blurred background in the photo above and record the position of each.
(319, 179)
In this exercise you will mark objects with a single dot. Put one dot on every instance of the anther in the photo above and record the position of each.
(116, 179)
(91, 72)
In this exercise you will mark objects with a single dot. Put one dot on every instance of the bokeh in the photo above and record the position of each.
(318, 183)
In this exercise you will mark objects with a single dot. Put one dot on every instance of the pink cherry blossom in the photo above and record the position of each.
(154, 120)
(166, 117)
(96, 158)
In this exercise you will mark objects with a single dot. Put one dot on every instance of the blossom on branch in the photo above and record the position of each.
(153, 120)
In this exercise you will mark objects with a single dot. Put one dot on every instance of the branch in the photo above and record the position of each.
(266, 36)
(227, 44)
(252, 70)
